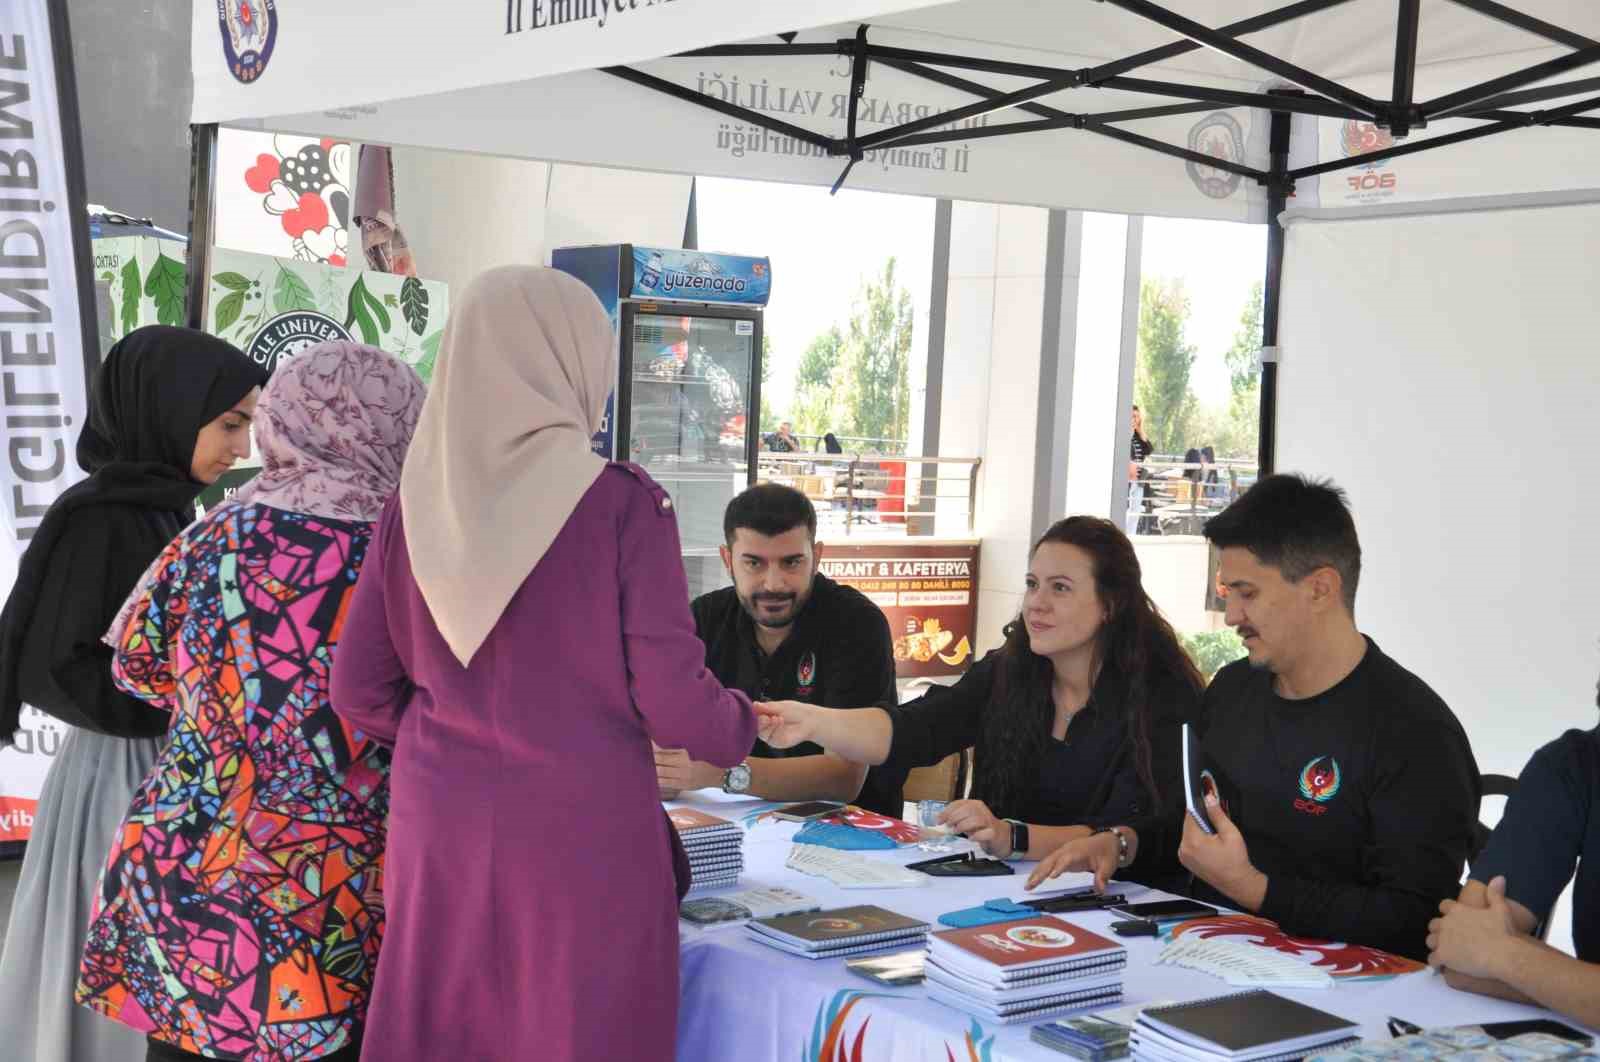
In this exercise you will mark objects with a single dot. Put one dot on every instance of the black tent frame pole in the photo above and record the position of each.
(1565, 115)
(1233, 29)
(1225, 44)
(1527, 23)
(1279, 188)
(1401, 114)
(202, 215)
(1464, 101)
(77, 182)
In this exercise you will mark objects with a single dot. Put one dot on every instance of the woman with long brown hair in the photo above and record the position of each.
(1075, 720)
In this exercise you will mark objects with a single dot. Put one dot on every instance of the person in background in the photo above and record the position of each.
(519, 632)
(169, 412)
(1139, 450)
(783, 441)
(785, 631)
(1076, 720)
(1194, 473)
(830, 443)
(1346, 793)
(233, 632)
(1208, 462)
(1484, 940)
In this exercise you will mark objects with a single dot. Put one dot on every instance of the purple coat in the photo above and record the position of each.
(530, 875)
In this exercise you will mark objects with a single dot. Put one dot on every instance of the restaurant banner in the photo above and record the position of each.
(928, 591)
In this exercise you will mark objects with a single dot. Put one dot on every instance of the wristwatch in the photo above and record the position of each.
(736, 780)
(1122, 844)
(1019, 838)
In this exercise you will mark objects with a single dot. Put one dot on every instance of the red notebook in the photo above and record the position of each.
(1028, 947)
(688, 821)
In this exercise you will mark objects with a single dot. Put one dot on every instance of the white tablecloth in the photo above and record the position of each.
(745, 1002)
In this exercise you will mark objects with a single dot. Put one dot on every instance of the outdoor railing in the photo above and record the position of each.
(1178, 497)
(881, 496)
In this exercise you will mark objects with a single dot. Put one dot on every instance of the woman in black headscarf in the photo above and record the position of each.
(169, 412)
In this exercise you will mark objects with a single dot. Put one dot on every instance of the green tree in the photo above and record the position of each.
(856, 380)
(1244, 369)
(1211, 651)
(769, 418)
(815, 383)
(877, 360)
(1164, 364)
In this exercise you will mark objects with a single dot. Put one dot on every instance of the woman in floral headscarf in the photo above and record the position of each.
(239, 915)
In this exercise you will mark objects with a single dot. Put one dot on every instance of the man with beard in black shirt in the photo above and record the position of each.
(1347, 794)
(785, 632)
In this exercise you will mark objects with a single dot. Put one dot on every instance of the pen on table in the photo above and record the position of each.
(1401, 1027)
(965, 857)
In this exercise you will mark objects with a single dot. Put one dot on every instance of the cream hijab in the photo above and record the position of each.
(501, 456)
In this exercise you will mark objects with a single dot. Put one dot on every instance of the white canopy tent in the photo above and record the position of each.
(464, 84)
(1114, 105)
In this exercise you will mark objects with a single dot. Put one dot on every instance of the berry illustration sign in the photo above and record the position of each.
(287, 196)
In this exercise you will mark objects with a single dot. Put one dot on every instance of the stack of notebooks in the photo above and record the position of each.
(1256, 1026)
(715, 847)
(1010, 972)
(842, 931)
(1092, 1037)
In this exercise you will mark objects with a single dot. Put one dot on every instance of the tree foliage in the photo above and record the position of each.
(855, 380)
(1161, 379)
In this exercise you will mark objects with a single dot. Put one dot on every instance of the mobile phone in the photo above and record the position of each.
(807, 810)
(1505, 1030)
(1165, 910)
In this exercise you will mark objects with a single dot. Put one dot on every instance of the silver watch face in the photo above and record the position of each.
(738, 779)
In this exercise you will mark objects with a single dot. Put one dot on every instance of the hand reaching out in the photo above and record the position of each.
(785, 724)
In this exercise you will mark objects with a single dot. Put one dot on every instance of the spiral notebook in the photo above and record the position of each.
(1197, 780)
(996, 995)
(841, 931)
(1256, 1026)
(1029, 1010)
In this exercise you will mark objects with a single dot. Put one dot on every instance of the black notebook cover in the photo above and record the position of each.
(844, 925)
(1245, 1021)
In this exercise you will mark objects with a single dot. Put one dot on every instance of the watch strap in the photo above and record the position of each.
(1019, 839)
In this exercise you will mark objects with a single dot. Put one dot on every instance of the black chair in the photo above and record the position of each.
(1500, 785)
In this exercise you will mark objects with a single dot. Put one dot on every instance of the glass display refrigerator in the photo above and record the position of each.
(687, 402)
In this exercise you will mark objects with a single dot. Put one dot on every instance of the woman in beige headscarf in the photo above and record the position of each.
(520, 633)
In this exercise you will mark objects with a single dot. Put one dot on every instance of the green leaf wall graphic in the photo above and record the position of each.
(289, 292)
(165, 284)
(414, 304)
(130, 296)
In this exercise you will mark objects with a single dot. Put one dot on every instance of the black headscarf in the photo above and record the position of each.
(151, 396)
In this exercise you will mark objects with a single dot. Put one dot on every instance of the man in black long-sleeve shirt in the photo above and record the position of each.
(1349, 793)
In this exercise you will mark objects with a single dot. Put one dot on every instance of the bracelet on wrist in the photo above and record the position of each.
(1122, 844)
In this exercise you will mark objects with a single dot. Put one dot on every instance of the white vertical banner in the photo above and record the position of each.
(43, 362)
